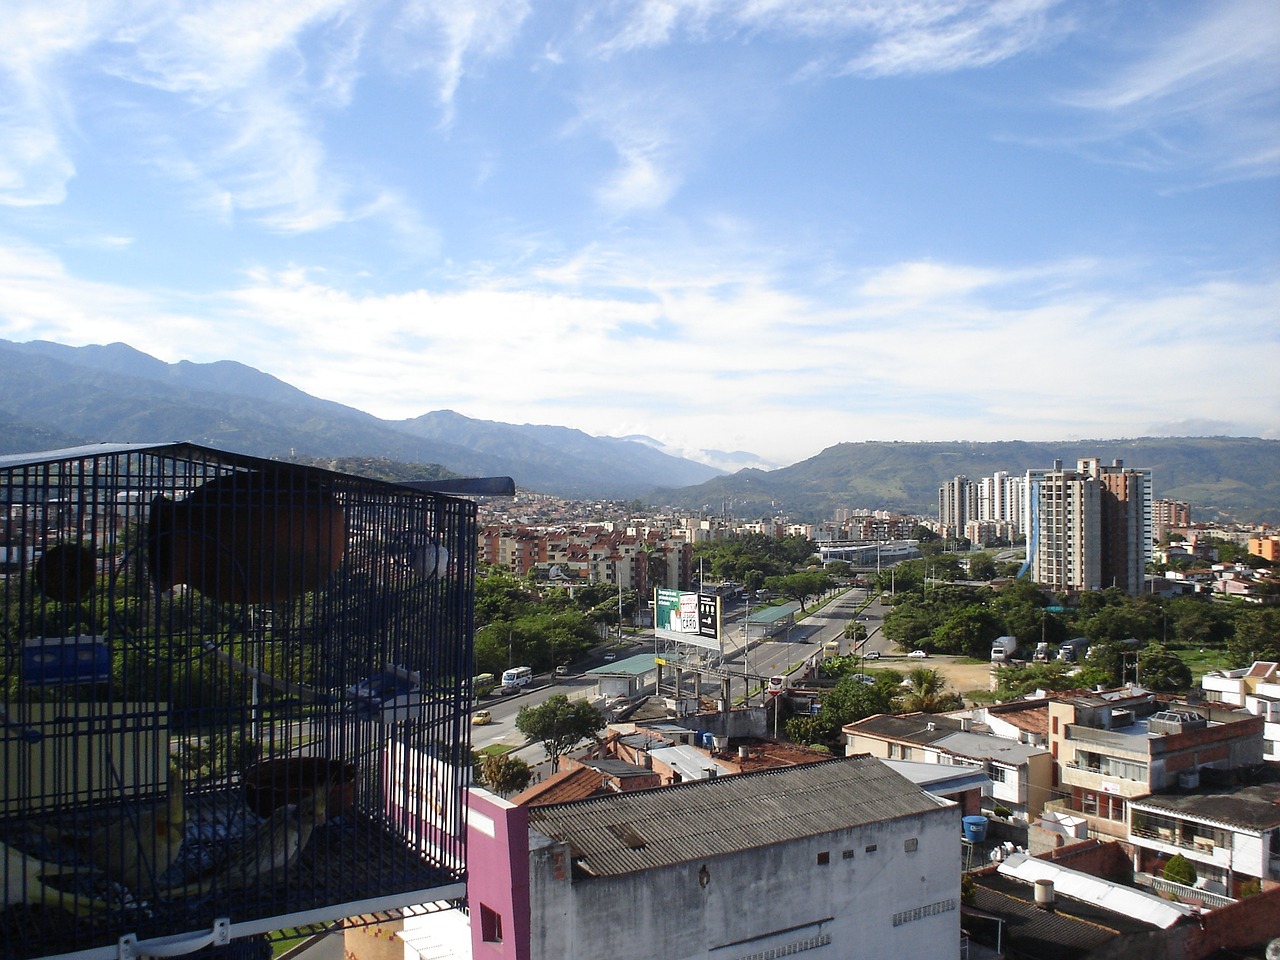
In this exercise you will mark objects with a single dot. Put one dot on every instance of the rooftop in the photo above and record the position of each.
(561, 787)
(1249, 808)
(636, 666)
(627, 832)
(945, 734)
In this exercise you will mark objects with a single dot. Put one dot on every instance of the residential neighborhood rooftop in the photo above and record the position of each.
(626, 832)
(1251, 808)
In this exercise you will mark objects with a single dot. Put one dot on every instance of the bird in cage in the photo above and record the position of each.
(25, 883)
(264, 853)
(134, 850)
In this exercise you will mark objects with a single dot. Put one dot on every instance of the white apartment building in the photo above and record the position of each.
(1255, 688)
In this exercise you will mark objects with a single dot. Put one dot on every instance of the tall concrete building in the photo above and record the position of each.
(957, 505)
(1088, 528)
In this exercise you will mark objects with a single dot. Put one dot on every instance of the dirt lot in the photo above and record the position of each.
(961, 675)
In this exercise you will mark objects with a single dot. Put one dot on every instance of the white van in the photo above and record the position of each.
(515, 678)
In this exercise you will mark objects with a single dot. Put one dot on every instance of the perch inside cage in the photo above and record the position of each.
(248, 538)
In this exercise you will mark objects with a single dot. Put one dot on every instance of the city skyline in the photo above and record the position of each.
(768, 227)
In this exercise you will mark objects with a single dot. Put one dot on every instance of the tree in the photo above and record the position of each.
(1180, 870)
(505, 773)
(1163, 670)
(855, 632)
(1257, 636)
(928, 693)
(968, 631)
(1054, 675)
(848, 701)
(558, 723)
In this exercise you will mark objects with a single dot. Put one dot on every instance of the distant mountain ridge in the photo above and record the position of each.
(1222, 477)
(55, 395)
(52, 395)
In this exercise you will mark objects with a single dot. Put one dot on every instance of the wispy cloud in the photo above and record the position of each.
(1206, 97)
(449, 37)
(888, 36)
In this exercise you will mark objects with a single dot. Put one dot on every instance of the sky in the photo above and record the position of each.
(728, 225)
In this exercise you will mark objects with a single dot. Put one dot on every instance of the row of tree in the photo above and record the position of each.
(526, 623)
(934, 613)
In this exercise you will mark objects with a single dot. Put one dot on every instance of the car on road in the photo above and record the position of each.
(481, 717)
(561, 671)
(918, 655)
(610, 657)
(871, 655)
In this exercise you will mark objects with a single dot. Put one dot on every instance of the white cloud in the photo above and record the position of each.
(450, 37)
(718, 351)
(1206, 96)
(891, 36)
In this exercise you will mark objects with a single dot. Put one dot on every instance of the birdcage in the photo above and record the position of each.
(235, 697)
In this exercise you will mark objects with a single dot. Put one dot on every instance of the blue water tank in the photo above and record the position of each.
(975, 828)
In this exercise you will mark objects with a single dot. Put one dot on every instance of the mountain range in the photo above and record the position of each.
(53, 395)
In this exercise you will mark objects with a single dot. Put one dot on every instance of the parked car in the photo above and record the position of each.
(864, 678)
(561, 671)
(481, 717)
(918, 655)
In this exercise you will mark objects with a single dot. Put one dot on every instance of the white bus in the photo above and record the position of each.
(517, 677)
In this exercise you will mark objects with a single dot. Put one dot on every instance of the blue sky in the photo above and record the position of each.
(761, 225)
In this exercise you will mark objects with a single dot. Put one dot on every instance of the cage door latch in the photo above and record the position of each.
(219, 936)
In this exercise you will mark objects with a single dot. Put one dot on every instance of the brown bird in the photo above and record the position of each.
(136, 850)
(265, 853)
(24, 883)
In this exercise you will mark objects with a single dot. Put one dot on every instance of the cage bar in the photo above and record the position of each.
(235, 693)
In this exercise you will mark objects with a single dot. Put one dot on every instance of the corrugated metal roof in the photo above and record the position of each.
(1125, 901)
(628, 832)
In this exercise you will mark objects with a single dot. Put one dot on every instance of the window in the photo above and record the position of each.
(824, 858)
(848, 854)
(490, 925)
(871, 848)
(997, 774)
(910, 845)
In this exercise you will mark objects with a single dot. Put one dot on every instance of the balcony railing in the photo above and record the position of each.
(1174, 838)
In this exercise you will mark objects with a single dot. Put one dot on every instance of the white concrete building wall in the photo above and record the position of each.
(1249, 855)
(885, 891)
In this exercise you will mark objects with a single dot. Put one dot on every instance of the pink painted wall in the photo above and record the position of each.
(498, 875)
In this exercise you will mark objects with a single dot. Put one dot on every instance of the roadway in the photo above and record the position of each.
(765, 658)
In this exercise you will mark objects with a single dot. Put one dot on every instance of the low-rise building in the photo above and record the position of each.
(845, 857)
(1114, 746)
(1255, 689)
(1232, 837)
(1020, 773)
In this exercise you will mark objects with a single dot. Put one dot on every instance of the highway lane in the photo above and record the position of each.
(766, 658)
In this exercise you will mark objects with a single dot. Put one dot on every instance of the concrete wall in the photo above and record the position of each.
(498, 874)
(871, 898)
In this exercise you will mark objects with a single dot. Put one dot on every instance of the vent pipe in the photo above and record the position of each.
(1045, 898)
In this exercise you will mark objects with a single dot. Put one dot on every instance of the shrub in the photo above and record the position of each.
(1180, 870)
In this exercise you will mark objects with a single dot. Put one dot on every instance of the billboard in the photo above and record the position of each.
(692, 618)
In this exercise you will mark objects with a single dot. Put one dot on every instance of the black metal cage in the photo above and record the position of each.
(235, 698)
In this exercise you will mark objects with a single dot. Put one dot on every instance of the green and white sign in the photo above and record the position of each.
(692, 618)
